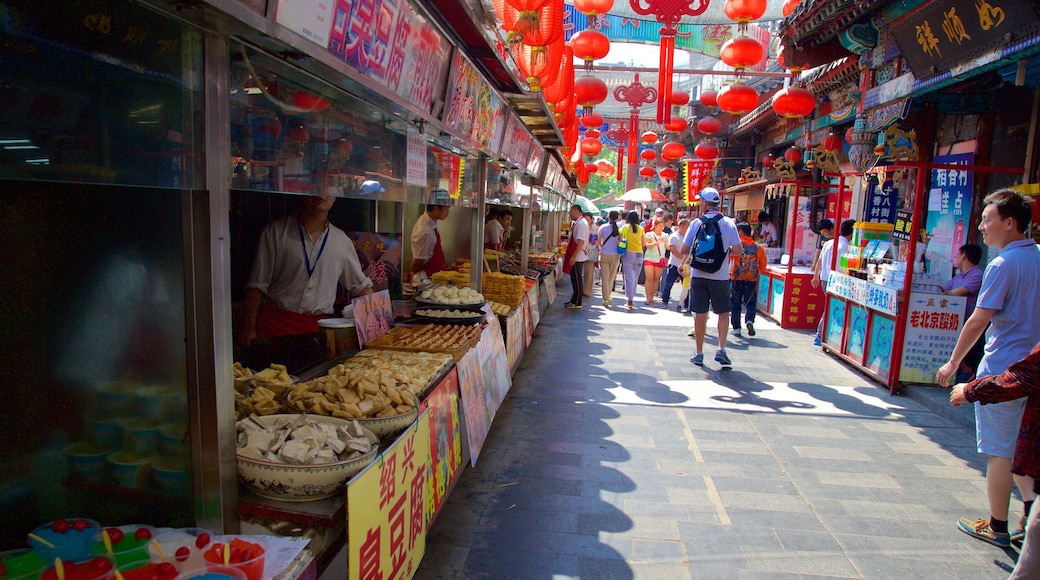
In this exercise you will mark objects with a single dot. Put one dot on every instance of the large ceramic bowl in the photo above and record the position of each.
(301, 483)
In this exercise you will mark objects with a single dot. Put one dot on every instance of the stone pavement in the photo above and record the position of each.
(613, 457)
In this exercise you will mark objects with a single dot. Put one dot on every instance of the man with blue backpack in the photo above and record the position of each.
(709, 242)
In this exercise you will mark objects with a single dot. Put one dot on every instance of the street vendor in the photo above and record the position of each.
(427, 252)
(300, 261)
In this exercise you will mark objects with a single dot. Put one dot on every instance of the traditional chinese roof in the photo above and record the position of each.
(815, 22)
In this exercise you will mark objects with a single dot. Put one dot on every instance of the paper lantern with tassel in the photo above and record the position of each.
(737, 98)
(794, 102)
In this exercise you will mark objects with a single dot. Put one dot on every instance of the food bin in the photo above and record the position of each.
(863, 232)
(340, 335)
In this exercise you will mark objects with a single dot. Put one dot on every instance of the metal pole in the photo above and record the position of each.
(691, 71)
(908, 280)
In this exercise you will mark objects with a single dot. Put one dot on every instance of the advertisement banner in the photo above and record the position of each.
(949, 208)
(857, 331)
(386, 530)
(932, 326)
(445, 440)
(476, 399)
(374, 316)
(882, 336)
(472, 107)
(804, 303)
(453, 169)
(881, 202)
(696, 175)
(415, 171)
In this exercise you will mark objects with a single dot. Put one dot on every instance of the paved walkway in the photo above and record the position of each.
(613, 457)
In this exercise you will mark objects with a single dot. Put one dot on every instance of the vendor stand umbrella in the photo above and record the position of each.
(643, 195)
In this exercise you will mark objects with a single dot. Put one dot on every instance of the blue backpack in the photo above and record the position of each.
(708, 254)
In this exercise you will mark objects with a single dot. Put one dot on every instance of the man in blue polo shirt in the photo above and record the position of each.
(1008, 303)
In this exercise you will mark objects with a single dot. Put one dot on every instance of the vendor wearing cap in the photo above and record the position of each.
(427, 252)
(300, 260)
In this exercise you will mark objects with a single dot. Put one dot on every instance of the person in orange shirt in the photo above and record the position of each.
(745, 268)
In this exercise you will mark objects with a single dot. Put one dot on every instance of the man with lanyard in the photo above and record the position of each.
(427, 252)
(299, 261)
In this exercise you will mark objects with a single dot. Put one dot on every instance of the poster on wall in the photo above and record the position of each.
(857, 331)
(472, 108)
(882, 336)
(445, 440)
(415, 172)
(386, 530)
(373, 315)
(932, 327)
(696, 174)
(949, 208)
(380, 256)
(477, 409)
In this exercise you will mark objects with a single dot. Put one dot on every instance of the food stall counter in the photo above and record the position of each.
(786, 295)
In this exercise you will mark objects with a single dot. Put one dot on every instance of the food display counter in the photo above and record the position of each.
(786, 296)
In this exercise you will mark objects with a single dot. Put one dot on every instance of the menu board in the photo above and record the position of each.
(472, 108)
(518, 143)
(932, 326)
(389, 41)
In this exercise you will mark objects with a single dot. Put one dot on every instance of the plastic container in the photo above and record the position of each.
(96, 568)
(247, 556)
(183, 546)
(70, 539)
(129, 543)
(863, 232)
(20, 564)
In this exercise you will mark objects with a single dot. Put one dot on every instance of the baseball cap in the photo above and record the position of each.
(372, 186)
(659, 210)
(710, 195)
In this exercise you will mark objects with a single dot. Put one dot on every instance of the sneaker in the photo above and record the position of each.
(750, 329)
(572, 306)
(722, 359)
(698, 359)
(736, 331)
(691, 332)
(816, 341)
(980, 529)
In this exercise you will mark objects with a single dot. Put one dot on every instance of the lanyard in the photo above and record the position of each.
(307, 255)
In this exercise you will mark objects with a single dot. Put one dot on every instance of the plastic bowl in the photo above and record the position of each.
(173, 439)
(129, 470)
(142, 435)
(147, 570)
(21, 564)
(247, 556)
(156, 402)
(171, 474)
(70, 544)
(96, 568)
(129, 549)
(213, 573)
(181, 546)
(114, 398)
(106, 432)
(85, 460)
(298, 483)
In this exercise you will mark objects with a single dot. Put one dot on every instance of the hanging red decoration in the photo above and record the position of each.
(310, 102)
(648, 137)
(648, 154)
(564, 84)
(880, 150)
(706, 151)
(620, 136)
(636, 95)
(676, 125)
(590, 92)
(793, 154)
(297, 134)
(539, 64)
(737, 98)
(794, 102)
(709, 98)
(709, 125)
(810, 163)
(741, 52)
(744, 11)
(605, 168)
(591, 147)
(591, 134)
(667, 173)
(547, 26)
(592, 121)
(673, 151)
(768, 160)
(850, 135)
(592, 168)
(593, 7)
(789, 6)
(680, 98)
(528, 13)
(668, 13)
(590, 45)
(646, 171)
(831, 142)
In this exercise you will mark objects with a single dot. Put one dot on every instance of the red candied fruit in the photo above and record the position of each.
(116, 535)
(60, 526)
(73, 571)
(182, 553)
(142, 534)
(202, 541)
(161, 571)
(80, 525)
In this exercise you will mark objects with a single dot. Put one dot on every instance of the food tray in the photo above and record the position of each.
(474, 307)
(475, 318)
(395, 334)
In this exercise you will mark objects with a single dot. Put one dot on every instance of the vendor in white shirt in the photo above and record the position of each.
(427, 252)
(300, 261)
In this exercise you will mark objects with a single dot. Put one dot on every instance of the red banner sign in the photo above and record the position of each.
(696, 175)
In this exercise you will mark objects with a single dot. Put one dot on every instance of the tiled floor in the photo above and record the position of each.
(613, 457)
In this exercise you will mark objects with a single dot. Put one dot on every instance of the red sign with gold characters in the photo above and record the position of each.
(386, 530)
(696, 175)
(804, 304)
(445, 439)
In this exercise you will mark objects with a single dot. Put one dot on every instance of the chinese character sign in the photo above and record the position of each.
(416, 169)
(881, 202)
(373, 315)
(949, 207)
(445, 440)
(932, 326)
(904, 225)
(696, 175)
(386, 530)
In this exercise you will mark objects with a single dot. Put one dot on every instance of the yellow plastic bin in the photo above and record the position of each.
(863, 232)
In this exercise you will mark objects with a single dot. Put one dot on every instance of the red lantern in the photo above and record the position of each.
(591, 147)
(794, 102)
(591, 134)
(539, 64)
(789, 6)
(673, 151)
(593, 7)
(880, 150)
(648, 154)
(564, 85)
(543, 26)
(849, 134)
(591, 168)
(706, 151)
(768, 160)
(646, 171)
(744, 11)
(589, 91)
(737, 98)
(741, 52)
(794, 155)
(831, 142)
(676, 125)
(649, 137)
(297, 134)
(592, 120)
(680, 98)
(590, 45)
(310, 102)
(667, 173)
(709, 98)
(605, 168)
(810, 163)
(709, 125)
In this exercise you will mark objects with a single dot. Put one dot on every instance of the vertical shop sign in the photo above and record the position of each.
(373, 315)
(804, 237)
(904, 225)
(933, 324)
(949, 206)
(803, 304)
(311, 19)
(881, 202)
(476, 397)
(516, 336)
(386, 530)
(452, 171)
(416, 168)
(445, 440)
(492, 351)
(695, 176)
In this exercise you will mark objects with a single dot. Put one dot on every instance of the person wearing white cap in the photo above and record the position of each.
(710, 238)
